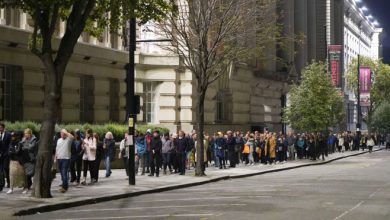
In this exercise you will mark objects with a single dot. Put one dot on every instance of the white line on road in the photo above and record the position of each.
(152, 207)
(142, 216)
(362, 202)
(350, 210)
(203, 198)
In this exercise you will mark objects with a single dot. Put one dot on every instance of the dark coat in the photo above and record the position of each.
(29, 149)
(76, 150)
(109, 151)
(181, 145)
(231, 143)
(156, 145)
(220, 146)
(4, 144)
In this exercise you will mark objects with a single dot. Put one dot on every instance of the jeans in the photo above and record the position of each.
(107, 165)
(167, 161)
(63, 165)
(143, 162)
(75, 169)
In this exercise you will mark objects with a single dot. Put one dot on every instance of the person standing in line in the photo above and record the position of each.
(148, 139)
(141, 151)
(167, 148)
(220, 145)
(291, 146)
(76, 160)
(99, 156)
(156, 147)
(5, 140)
(181, 147)
(63, 156)
(109, 152)
(231, 144)
(340, 145)
(371, 143)
(17, 175)
(89, 157)
(29, 149)
(124, 153)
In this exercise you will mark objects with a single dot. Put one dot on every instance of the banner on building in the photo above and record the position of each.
(365, 85)
(335, 63)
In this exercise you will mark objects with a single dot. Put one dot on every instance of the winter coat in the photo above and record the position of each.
(271, 148)
(29, 150)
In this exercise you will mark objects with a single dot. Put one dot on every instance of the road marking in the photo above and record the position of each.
(362, 202)
(153, 207)
(350, 210)
(142, 216)
(203, 198)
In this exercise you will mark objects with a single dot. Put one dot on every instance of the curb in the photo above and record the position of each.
(75, 203)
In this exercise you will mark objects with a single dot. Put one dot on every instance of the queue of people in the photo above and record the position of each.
(77, 154)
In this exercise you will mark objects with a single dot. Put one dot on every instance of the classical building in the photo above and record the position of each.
(249, 96)
(362, 36)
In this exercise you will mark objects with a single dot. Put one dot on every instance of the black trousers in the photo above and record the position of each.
(181, 162)
(75, 169)
(6, 161)
(232, 158)
(96, 167)
(155, 163)
(88, 165)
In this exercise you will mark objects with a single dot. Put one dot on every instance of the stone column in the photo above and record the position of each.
(23, 20)
(2, 16)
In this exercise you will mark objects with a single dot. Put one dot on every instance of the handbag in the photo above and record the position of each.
(29, 169)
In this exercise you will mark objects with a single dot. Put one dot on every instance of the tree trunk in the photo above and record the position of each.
(52, 104)
(200, 166)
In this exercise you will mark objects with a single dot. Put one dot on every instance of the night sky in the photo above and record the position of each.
(380, 9)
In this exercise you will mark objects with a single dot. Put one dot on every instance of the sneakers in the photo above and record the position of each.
(25, 191)
(62, 190)
(10, 191)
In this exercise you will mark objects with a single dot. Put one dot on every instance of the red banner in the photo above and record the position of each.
(365, 85)
(335, 63)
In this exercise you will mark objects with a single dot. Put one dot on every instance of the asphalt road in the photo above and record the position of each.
(356, 188)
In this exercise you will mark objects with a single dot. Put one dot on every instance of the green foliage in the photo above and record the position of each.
(111, 14)
(380, 119)
(315, 104)
(118, 130)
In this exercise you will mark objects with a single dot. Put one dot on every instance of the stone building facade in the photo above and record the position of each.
(248, 96)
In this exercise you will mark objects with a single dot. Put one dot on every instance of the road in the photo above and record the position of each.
(356, 188)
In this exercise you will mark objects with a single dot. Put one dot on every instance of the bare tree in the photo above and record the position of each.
(212, 35)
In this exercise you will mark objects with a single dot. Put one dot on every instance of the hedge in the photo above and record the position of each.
(117, 130)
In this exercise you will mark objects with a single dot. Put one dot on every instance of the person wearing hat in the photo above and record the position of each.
(155, 158)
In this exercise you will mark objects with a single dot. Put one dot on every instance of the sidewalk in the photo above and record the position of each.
(117, 187)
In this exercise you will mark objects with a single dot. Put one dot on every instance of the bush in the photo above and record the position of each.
(118, 130)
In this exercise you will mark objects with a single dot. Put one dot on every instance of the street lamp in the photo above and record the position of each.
(359, 109)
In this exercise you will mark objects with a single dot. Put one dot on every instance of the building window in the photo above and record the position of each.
(150, 101)
(11, 93)
(87, 99)
(223, 100)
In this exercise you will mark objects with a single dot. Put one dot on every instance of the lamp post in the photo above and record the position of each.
(131, 99)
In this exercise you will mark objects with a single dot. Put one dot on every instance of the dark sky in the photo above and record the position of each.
(380, 9)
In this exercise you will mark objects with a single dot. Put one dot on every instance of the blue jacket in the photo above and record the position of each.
(141, 146)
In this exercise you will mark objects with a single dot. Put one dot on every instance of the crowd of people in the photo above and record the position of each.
(76, 154)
